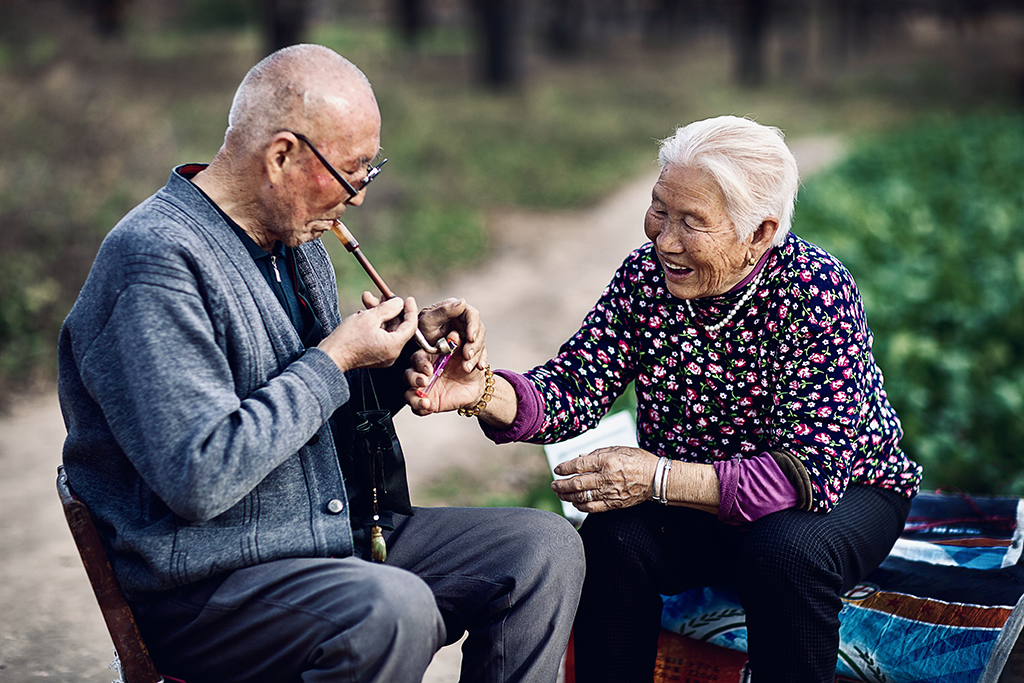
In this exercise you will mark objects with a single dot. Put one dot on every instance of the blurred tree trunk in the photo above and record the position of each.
(564, 33)
(411, 17)
(498, 24)
(750, 28)
(817, 19)
(667, 20)
(284, 23)
(110, 16)
(852, 26)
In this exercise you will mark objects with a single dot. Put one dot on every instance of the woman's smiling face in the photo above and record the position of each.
(694, 238)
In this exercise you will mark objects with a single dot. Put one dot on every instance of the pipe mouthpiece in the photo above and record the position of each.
(342, 233)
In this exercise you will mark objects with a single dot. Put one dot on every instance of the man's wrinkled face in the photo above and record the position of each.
(310, 198)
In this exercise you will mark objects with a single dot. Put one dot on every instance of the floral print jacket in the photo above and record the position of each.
(792, 372)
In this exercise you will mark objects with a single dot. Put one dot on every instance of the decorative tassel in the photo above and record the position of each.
(378, 550)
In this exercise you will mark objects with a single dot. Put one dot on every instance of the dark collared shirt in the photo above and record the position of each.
(278, 269)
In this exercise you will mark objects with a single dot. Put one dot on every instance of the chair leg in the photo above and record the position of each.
(132, 658)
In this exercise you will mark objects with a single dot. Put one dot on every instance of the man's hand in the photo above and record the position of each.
(450, 318)
(456, 316)
(373, 338)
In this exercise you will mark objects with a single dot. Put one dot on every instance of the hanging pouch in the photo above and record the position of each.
(383, 465)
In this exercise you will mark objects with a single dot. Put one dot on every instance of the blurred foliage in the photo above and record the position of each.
(930, 221)
(219, 14)
(89, 131)
(530, 488)
(92, 126)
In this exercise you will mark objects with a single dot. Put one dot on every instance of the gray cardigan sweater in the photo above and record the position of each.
(197, 422)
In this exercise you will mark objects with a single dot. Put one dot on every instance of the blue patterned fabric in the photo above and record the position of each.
(944, 607)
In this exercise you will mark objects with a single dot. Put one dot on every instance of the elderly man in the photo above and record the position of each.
(217, 409)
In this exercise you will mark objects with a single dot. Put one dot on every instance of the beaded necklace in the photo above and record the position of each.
(751, 288)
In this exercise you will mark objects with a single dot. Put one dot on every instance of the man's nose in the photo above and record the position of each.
(357, 199)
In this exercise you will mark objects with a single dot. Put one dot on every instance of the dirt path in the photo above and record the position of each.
(546, 273)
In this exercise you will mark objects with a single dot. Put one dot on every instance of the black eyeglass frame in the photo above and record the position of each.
(371, 170)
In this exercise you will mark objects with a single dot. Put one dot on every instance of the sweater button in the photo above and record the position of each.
(335, 506)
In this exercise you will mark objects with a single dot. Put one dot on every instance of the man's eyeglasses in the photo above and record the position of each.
(371, 170)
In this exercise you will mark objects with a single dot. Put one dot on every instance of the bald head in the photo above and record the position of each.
(265, 177)
(309, 88)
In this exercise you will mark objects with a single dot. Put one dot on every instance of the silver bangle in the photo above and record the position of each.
(659, 471)
(664, 483)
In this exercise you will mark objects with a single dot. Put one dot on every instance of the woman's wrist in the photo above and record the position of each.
(498, 404)
(474, 409)
(522, 418)
(660, 483)
(693, 485)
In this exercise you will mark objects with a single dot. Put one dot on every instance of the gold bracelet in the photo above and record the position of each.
(488, 392)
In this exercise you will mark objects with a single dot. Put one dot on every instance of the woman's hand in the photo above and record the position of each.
(455, 388)
(616, 477)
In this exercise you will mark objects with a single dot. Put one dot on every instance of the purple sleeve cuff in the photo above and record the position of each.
(728, 472)
(529, 416)
(752, 488)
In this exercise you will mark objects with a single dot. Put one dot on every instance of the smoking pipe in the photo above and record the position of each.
(347, 239)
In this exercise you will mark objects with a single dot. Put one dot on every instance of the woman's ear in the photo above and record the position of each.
(763, 235)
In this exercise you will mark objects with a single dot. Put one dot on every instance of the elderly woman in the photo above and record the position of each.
(769, 458)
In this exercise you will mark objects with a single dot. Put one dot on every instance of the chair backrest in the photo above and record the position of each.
(136, 665)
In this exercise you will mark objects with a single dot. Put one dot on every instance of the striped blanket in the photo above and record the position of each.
(944, 607)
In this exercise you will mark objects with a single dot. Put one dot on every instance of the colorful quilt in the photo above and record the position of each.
(944, 607)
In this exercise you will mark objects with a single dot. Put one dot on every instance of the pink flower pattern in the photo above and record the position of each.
(793, 371)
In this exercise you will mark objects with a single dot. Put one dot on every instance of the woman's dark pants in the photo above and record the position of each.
(789, 568)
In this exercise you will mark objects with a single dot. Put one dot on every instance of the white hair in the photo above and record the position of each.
(749, 162)
(289, 89)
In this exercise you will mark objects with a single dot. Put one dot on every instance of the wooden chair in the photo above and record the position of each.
(133, 660)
